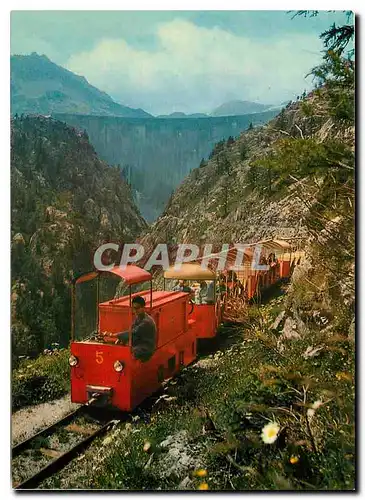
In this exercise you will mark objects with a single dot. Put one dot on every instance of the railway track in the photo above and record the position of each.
(48, 451)
(44, 454)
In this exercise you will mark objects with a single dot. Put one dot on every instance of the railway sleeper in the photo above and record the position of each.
(86, 431)
(50, 453)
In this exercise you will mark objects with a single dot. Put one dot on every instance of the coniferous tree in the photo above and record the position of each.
(230, 141)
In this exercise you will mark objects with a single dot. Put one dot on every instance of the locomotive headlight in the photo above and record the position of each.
(73, 361)
(118, 366)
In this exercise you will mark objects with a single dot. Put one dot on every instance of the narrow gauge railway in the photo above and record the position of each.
(102, 365)
(106, 372)
(45, 453)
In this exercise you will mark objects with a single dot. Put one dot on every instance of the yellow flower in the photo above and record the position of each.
(344, 376)
(270, 432)
(203, 486)
(201, 473)
(293, 459)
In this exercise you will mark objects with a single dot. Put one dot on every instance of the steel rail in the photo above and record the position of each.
(59, 462)
(17, 449)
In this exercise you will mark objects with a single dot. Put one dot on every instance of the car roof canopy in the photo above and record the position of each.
(130, 274)
(189, 272)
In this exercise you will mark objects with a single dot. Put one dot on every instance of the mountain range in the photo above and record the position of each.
(156, 152)
(39, 86)
(230, 108)
(65, 202)
(180, 114)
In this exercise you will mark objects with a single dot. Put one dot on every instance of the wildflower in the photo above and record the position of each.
(270, 432)
(294, 459)
(203, 486)
(147, 446)
(343, 376)
(317, 404)
(201, 473)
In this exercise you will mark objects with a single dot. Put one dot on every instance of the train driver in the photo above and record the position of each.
(144, 332)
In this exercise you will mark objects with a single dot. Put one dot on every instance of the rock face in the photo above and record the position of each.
(215, 204)
(65, 203)
(177, 461)
(218, 202)
(160, 152)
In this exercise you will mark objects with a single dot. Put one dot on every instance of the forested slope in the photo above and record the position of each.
(65, 202)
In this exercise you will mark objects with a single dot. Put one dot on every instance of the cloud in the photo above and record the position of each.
(193, 68)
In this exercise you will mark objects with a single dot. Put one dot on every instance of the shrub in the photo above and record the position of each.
(42, 379)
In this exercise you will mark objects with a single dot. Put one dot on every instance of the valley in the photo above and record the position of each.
(160, 152)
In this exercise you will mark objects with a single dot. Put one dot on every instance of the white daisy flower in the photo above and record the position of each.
(270, 432)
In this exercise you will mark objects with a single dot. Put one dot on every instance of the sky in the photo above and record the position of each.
(189, 61)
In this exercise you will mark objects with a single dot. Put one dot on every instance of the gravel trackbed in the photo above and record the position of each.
(28, 421)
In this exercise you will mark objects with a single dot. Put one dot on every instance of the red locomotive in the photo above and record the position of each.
(100, 366)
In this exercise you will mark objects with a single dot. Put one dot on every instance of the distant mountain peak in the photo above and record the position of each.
(237, 107)
(40, 86)
(180, 114)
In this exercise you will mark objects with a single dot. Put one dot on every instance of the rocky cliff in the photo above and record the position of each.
(216, 204)
(267, 182)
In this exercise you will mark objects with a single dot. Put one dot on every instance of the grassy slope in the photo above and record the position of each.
(300, 374)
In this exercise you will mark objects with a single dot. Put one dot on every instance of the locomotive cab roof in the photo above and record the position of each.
(130, 274)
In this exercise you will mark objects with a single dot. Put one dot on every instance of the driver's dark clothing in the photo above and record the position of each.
(144, 335)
